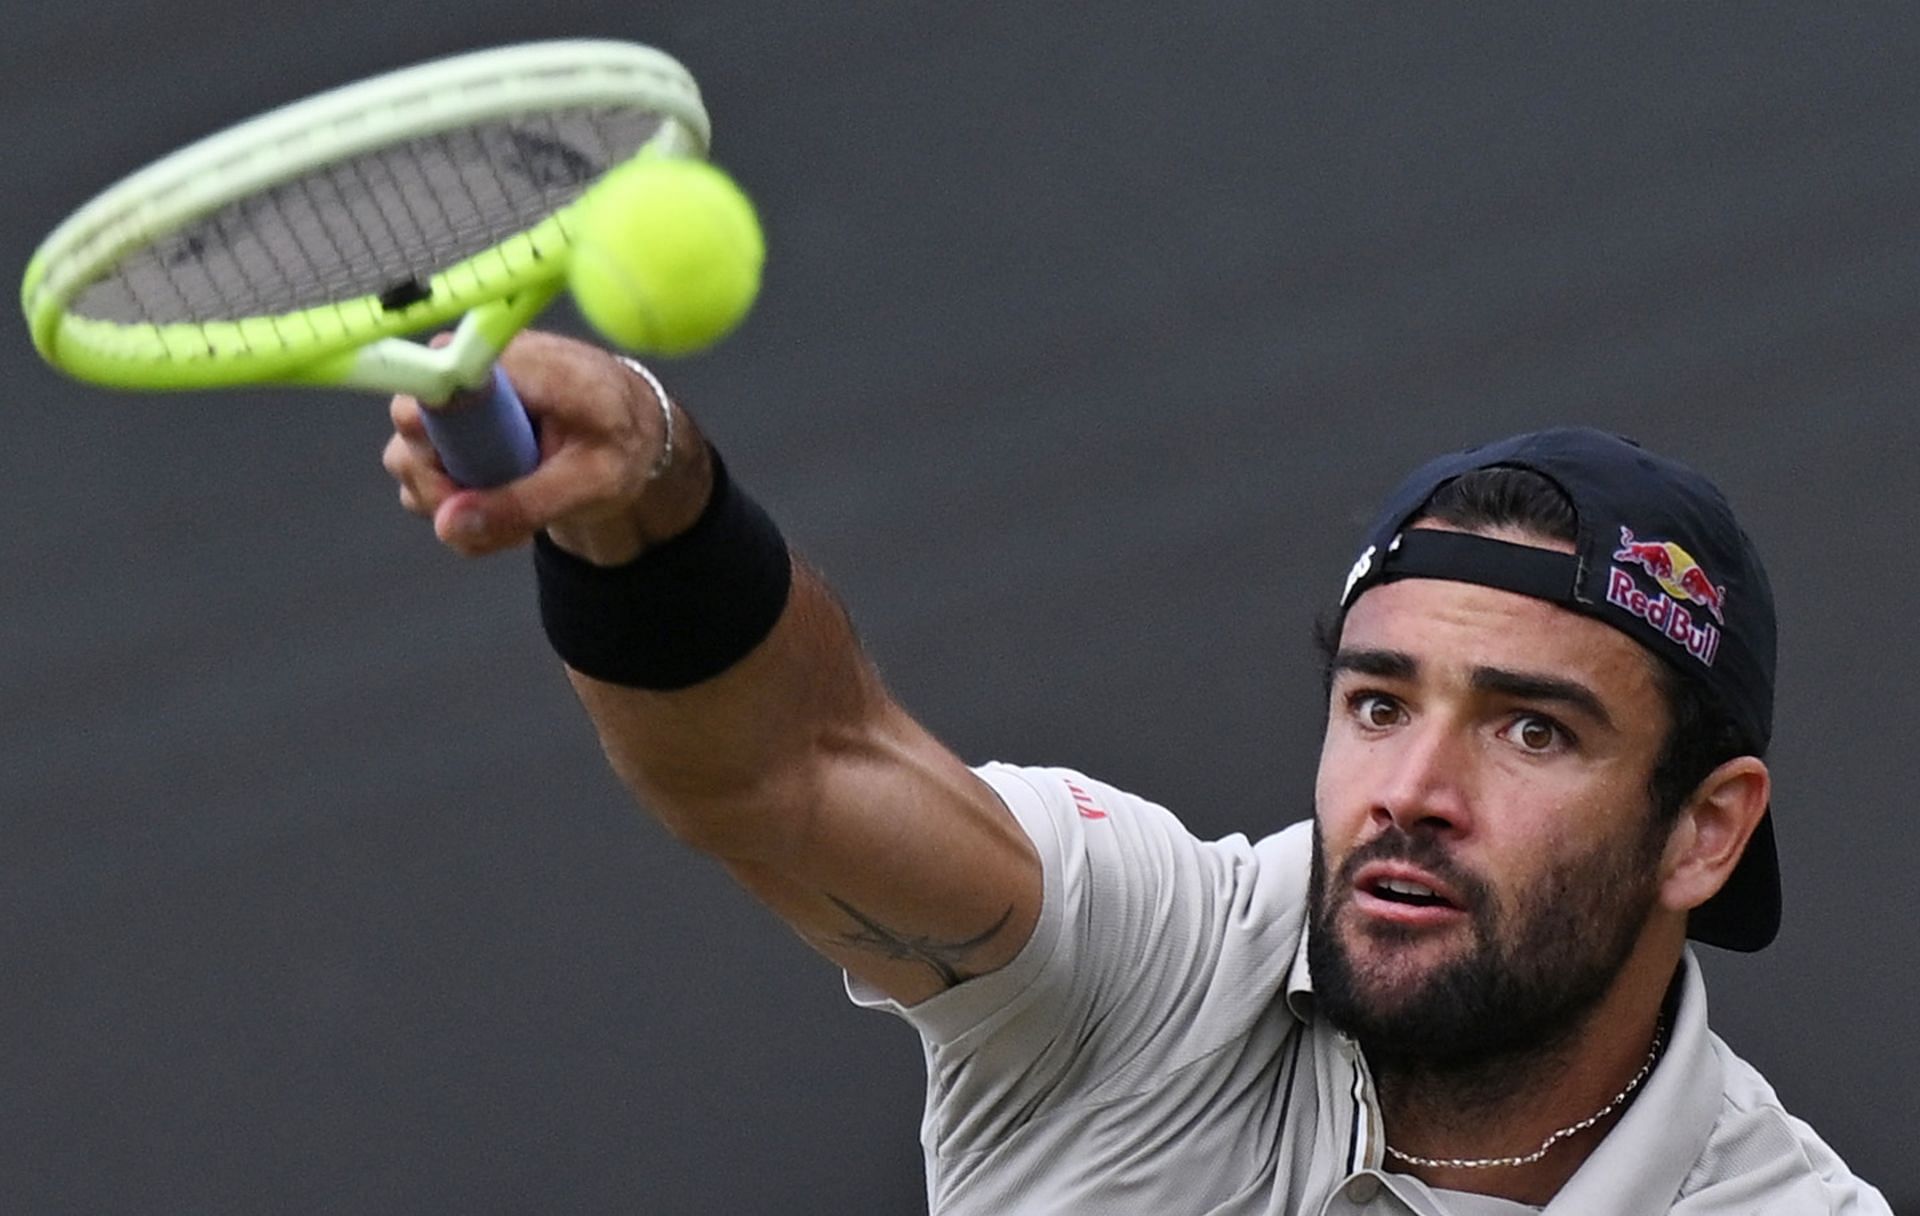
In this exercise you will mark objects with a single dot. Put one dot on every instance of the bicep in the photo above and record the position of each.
(908, 872)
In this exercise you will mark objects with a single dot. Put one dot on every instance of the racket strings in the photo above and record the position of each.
(379, 225)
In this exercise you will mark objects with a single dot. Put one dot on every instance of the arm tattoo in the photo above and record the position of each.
(944, 957)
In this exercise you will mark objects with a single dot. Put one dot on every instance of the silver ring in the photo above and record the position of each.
(664, 460)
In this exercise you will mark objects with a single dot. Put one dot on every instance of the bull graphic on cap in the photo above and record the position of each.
(1678, 574)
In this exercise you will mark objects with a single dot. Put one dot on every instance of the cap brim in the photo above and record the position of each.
(1745, 914)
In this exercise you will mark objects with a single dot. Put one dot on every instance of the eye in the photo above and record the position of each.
(1537, 733)
(1375, 710)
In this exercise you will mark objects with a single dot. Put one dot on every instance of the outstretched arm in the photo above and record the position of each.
(793, 766)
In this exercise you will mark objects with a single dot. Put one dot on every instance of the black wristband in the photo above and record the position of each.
(683, 611)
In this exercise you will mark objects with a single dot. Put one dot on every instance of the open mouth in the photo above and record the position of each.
(1399, 892)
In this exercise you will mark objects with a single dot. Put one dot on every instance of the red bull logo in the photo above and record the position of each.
(1681, 578)
(1675, 570)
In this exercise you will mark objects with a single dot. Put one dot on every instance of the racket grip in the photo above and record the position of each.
(483, 435)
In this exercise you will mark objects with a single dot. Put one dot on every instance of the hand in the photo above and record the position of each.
(601, 433)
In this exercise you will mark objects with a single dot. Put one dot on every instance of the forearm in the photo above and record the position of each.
(732, 764)
(829, 802)
(729, 761)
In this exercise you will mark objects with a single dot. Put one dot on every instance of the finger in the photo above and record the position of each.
(458, 531)
(472, 532)
(573, 480)
(424, 484)
(405, 414)
(411, 457)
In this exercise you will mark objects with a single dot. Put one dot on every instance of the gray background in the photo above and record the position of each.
(1090, 337)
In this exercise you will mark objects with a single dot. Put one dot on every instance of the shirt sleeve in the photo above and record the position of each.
(1152, 949)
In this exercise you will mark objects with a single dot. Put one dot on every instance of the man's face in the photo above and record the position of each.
(1485, 855)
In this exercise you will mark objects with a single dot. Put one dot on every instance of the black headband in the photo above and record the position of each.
(1467, 557)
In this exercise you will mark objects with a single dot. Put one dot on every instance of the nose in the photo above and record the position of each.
(1425, 779)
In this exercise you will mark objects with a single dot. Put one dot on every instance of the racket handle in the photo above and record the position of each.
(483, 435)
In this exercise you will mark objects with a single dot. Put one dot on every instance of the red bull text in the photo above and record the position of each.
(1680, 578)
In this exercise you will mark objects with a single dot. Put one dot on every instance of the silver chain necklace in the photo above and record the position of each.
(1482, 1163)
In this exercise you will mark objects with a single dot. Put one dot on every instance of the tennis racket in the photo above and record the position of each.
(300, 247)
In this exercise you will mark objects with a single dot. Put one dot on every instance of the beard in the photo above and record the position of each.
(1537, 962)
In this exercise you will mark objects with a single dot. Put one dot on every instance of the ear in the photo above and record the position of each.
(1712, 832)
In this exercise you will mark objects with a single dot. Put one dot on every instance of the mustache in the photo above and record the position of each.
(1425, 851)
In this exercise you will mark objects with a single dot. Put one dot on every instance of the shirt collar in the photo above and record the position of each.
(1300, 981)
(1642, 1163)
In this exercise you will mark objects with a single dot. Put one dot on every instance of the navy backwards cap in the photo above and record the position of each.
(1657, 555)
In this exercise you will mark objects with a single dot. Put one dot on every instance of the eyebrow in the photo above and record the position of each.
(1522, 685)
(1386, 664)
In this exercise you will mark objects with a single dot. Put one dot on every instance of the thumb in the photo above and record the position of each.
(571, 481)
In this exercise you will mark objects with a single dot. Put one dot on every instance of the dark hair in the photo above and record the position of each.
(1700, 735)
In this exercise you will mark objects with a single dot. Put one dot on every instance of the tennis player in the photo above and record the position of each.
(1465, 986)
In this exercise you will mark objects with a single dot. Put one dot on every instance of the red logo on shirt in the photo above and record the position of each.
(1084, 801)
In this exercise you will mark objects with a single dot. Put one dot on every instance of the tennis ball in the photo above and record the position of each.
(666, 255)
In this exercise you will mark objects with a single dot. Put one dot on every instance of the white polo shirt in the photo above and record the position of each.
(1153, 1050)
